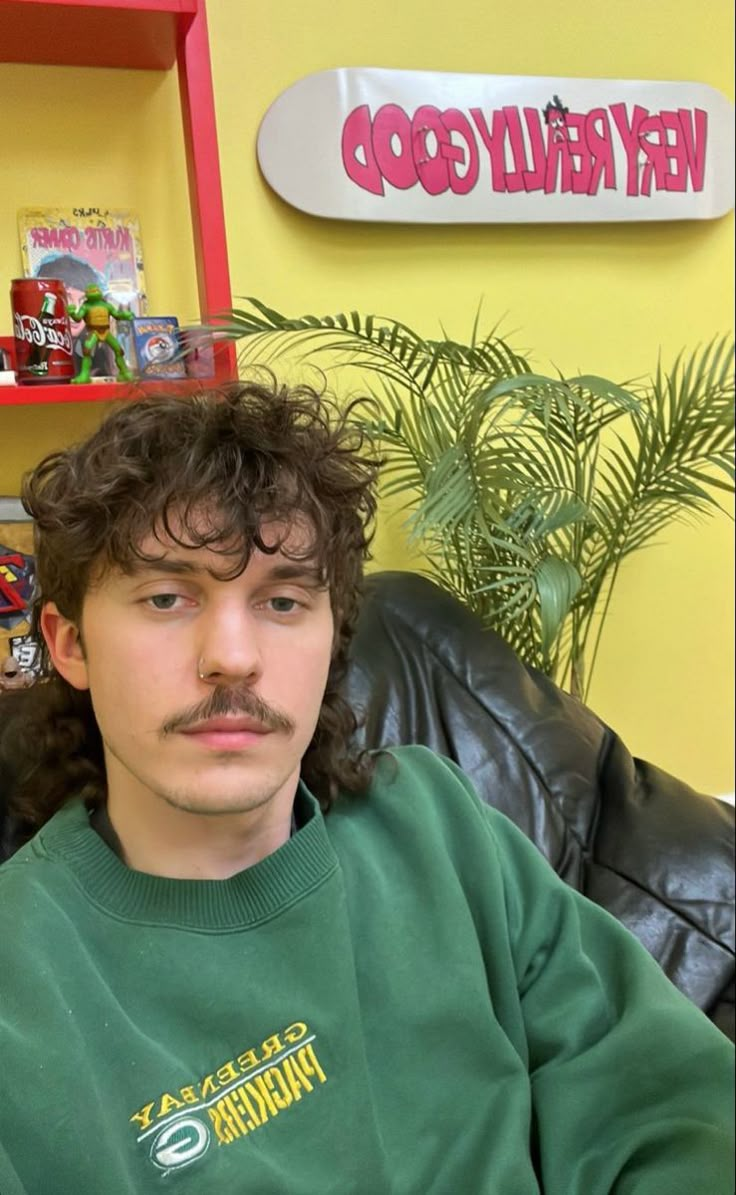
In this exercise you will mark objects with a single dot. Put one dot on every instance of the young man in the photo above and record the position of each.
(237, 956)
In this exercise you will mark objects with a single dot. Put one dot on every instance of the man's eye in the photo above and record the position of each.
(164, 601)
(283, 605)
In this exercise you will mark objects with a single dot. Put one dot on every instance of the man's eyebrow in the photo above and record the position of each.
(164, 564)
(296, 571)
(304, 571)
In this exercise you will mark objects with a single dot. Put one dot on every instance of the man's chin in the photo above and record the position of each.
(217, 804)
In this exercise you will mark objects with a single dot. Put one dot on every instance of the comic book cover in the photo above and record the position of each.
(157, 347)
(17, 572)
(83, 247)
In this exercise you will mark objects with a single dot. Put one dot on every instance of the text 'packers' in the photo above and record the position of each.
(257, 1100)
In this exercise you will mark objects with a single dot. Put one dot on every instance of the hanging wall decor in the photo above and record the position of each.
(424, 147)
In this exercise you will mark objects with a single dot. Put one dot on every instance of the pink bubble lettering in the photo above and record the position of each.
(550, 150)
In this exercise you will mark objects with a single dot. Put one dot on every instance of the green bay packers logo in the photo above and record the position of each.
(180, 1143)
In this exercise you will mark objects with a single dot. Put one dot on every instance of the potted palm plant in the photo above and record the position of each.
(526, 492)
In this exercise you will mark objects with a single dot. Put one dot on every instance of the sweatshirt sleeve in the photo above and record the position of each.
(632, 1086)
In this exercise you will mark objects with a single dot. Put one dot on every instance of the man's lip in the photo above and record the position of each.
(227, 726)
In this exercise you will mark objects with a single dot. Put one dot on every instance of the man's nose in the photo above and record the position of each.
(229, 648)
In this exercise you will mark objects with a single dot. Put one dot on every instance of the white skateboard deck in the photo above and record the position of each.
(425, 147)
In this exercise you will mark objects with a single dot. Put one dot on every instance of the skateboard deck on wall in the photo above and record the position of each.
(425, 147)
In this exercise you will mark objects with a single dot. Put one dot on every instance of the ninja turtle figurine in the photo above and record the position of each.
(96, 312)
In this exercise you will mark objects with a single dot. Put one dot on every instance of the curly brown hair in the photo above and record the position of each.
(245, 454)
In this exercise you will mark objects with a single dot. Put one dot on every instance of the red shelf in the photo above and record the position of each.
(100, 392)
(145, 34)
(17, 395)
(116, 33)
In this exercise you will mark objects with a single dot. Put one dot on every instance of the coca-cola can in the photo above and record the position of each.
(43, 334)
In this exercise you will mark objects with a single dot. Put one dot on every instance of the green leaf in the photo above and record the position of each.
(605, 389)
(558, 582)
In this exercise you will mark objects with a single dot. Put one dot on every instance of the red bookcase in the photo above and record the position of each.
(149, 35)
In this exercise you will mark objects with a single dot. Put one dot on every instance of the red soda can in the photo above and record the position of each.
(43, 334)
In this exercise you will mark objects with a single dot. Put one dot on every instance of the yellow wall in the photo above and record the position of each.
(604, 299)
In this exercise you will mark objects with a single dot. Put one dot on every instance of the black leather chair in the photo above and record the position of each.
(642, 844)
(637, 841)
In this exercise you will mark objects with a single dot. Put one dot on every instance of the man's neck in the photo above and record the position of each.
(196, 847)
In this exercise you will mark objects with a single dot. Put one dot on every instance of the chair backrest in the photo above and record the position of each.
(639, 842)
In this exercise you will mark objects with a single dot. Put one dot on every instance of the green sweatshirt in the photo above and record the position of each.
(403, 998)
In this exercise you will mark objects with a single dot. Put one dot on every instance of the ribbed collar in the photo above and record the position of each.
(251, 896)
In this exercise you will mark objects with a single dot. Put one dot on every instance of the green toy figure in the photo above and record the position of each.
(96, 312)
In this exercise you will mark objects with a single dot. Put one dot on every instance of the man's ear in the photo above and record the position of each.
(65, 646)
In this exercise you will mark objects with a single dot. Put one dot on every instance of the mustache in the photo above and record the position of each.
(224, 700)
